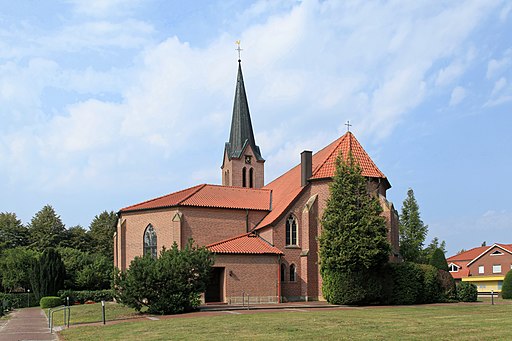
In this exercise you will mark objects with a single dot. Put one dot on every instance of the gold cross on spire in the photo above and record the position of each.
(239, 50)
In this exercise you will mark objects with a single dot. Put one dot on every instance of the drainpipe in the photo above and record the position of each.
(279, 279)
(246, 220)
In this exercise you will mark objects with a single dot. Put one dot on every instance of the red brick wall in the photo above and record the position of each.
(488, 261)
(255, 275)
(235, 166)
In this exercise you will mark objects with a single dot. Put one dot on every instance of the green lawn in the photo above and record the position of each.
(447, 322)
(87, 313)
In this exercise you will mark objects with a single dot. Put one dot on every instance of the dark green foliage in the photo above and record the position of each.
(169, 284)
(506, 289)
(102, 231)
(467, 292)
(352, 288)
(48, 274)
(83, 296)
(78, 238)
(432, 289)
(412, 230)
(449, 291)
(12, 232)
(50, 302)
(429, 250)
(15, 267)
(407, 283)
(353, 244)
(439, 260)
(18, 300)
(46, 229)
(96, 275)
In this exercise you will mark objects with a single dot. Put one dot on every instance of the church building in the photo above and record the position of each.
(265, 237)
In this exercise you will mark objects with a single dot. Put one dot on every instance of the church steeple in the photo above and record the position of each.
(243, 163)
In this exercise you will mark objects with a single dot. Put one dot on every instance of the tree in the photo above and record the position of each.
(439, 260)
(48, 274)
(46, 229)
(15, 265)
(96, 275)
(506, 289)
(353, 243)
(76, 237)
(12, 232)
(102, 231)
(431, 248)
(412, 230)
(169, 284)
(74, 262)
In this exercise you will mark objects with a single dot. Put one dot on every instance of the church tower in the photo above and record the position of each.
(243, 165)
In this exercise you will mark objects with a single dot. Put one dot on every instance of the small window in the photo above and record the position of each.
(496, 269)
(291, 230)
(283, 272)
(293, 275)
(251, 176)
(150, 241)
(497, 253)
(481, 269)
(453, 268)
(244, 174)
(500, 285)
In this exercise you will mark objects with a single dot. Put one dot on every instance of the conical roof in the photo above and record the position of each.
(241, 133)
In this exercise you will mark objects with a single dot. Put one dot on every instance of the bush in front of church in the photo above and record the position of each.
(169, 284)
(506, 289)
(467, 292)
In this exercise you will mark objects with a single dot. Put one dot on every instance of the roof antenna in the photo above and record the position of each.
(239, 50)
(348, 125)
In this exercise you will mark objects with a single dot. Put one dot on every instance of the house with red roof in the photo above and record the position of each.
(264, 236)
(485, 266)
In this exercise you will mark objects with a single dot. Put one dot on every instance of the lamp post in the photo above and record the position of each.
(28, 298)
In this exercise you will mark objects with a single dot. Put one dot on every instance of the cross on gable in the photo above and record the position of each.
(348, 125)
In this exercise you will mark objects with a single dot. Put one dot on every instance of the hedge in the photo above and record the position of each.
(82, 296)
(467, 292)
(50, 302)
(506, 289)
(9, 301)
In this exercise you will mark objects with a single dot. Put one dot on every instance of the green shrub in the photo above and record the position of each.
(48, 273)
(82, 296)
(50, 302)
(467, 292)
(506, 289)
(448, 289)
(432, 290)
(439, 260)
(169, 284)
(353, 288)
(407, 283)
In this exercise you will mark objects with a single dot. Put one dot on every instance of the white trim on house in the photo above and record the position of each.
(483, 253)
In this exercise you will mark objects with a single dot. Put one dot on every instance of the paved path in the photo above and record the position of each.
(26, 324)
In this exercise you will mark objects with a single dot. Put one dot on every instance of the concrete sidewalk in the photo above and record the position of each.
(26, 324)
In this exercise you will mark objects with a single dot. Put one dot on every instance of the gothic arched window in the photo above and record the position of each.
(291, 230)
(244, 173)
(150, 241)
(251, 178)
(293, 276)
(283, 272)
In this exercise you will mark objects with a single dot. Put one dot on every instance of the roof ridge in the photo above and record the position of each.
(340, 140)
(229, 239)
(200, 187)
(239, 188)
(162, 196)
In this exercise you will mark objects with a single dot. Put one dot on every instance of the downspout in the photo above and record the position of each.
(279, 278)
(246, 220)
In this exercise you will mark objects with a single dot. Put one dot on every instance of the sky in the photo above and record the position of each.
(107, 103)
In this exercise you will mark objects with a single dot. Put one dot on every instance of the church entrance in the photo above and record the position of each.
(214, 291)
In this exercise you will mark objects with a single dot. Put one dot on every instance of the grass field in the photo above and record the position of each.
(88, 313)
(428, 322)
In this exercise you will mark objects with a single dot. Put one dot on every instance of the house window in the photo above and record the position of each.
(497, 253)
(291, 230)
(496, 269)
(293, 275)
(283, 272)
(244, 173)
(500, 285)
(453, 268)
(150, 241)
(481, 269)
(251, 181)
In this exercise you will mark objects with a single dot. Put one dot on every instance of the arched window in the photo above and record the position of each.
(293, 276)
(244, 182)
(251, 181)
(283, 272)
(291, 230)
(150, 241)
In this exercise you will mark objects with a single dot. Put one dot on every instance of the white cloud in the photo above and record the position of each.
(458, 94)
(498, 86)
(104, 8)
(496, 66)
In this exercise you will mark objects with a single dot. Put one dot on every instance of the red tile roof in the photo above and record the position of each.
(245, 244)
(345, 144)
(288, 186)
(210, 196)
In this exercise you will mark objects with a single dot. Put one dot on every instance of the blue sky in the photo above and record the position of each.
(106, 103)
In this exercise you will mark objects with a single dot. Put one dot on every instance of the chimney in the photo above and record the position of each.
(306, 167)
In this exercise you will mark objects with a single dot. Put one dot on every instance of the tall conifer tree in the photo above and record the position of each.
(46, 229)
(412, 230)
(353, 243)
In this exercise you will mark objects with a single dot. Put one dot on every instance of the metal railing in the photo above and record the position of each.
(243, 299)
(67, 316)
